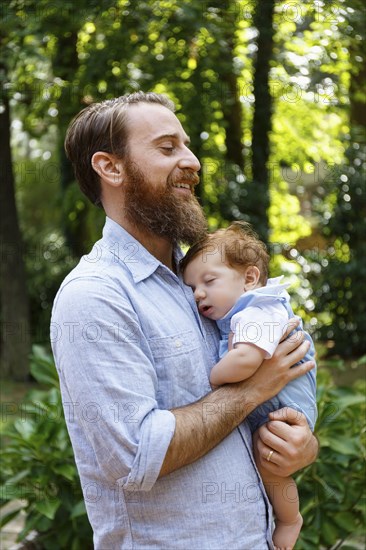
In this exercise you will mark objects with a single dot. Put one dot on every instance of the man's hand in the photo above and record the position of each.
(288, 435)
(275, 373)
(201, 426)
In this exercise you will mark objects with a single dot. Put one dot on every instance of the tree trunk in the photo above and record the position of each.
(65, 64)
(258, 191)
(231, 106)
(195, 112)
(231, 196)
(233, 116)
(15, 333)
(357, 51)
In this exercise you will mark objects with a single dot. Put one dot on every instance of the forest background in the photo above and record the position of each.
(272, 95)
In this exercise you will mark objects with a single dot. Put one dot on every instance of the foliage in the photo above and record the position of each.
(48, 261)
(47, 257)
(62, 57)
(340, 286)
(332, 490)
(38, 468)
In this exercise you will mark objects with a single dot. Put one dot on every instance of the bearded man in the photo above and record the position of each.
(164, 461)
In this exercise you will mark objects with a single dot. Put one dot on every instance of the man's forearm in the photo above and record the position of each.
(204, 424)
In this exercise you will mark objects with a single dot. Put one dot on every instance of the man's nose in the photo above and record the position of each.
(189, 160)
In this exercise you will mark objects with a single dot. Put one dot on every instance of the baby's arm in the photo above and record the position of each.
(238, 364)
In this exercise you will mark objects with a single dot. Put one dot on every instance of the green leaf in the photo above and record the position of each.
(66, 470)
(329, 532)
(25, 428)
(43, 368)
(346, 447)
(38, 352)
(78, 510)
(18, 477)
(42, 375)
(346, 521)
(350, 400)
(48, 507)
(44, 524)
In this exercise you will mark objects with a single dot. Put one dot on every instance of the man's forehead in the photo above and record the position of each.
(153, 121)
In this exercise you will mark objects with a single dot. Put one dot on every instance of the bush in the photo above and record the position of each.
(48, 260)
(39, 469)
(332, 490)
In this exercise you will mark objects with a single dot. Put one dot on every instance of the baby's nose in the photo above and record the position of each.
(199, 294)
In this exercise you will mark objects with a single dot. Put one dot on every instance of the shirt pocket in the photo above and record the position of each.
(180, 369)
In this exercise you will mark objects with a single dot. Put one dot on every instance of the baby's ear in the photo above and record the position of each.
(251, 277)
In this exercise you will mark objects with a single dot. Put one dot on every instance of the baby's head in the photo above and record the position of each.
(223, 265)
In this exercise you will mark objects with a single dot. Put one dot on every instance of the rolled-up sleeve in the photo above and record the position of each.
(108, 375)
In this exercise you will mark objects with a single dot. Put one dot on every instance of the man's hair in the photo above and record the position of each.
(238, 245)
(102, 127)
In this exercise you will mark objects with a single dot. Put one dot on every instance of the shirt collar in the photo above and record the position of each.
(139, 261)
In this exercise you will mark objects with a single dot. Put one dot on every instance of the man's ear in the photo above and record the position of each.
(108, 168)
(251, 277)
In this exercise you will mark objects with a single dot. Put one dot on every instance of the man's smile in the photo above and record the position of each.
(182, 186)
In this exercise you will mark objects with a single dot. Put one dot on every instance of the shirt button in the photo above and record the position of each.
(178, 343)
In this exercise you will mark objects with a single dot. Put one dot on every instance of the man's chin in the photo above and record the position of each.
(193, 225)
(169, 213)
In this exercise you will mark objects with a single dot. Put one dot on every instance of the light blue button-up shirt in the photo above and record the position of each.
(129, 345)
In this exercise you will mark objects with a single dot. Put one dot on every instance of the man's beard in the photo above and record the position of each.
(161, 211)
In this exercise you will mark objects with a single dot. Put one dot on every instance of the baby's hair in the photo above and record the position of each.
(239, 247)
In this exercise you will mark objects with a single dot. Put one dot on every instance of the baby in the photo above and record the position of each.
(227, 271)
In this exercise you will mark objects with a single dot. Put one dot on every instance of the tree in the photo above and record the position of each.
(255, 94)
(15, 341)
(341, 286)
(258, 189)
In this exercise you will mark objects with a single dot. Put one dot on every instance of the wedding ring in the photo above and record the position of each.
(269, 456)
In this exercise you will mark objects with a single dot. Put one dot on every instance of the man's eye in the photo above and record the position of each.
(168, 149)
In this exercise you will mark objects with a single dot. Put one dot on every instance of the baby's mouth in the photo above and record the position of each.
(205, 309)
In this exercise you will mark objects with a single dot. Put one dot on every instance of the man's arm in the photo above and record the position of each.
(202, 425)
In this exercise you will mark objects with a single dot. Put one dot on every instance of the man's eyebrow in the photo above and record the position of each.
(174, 136)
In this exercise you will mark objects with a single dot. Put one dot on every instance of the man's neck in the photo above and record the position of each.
(160, 247)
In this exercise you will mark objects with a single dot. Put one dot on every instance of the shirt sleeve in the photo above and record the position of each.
(104, 364)
(262, 327)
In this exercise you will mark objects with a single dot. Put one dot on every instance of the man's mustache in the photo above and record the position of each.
(186, 176)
